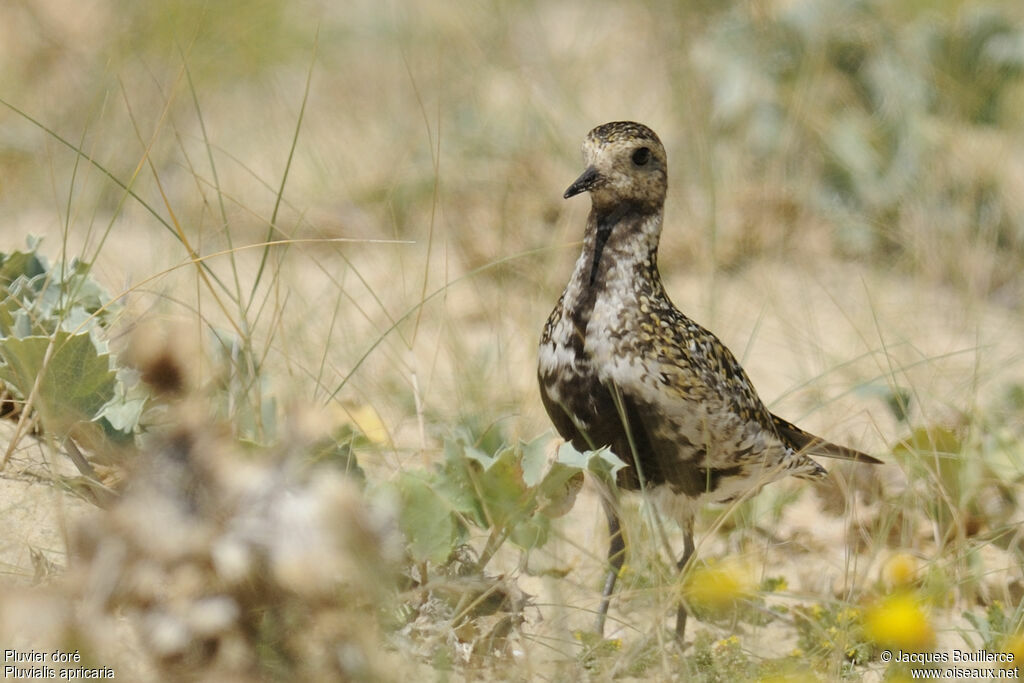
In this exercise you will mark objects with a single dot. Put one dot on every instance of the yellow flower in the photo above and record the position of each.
(898, 621)
(899, 570)
(731, 641)
(370, 424)
(717, 586)
(1015, 646)
(848, 615)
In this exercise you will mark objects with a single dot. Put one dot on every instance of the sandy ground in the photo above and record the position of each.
(36, 514)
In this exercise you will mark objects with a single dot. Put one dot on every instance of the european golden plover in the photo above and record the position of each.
(621, 366)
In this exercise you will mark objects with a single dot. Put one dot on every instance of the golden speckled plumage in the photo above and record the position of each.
(621, 366)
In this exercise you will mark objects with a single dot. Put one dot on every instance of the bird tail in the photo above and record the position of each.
(809, 444)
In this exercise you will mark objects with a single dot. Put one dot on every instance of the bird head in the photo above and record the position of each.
(625, 165)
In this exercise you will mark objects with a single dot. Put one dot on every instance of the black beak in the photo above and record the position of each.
(585, 183)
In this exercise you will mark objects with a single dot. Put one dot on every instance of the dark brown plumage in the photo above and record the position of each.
(621, 366)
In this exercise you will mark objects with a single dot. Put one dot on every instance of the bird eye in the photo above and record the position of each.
(641, 156)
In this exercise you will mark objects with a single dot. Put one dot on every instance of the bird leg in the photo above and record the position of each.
(683, 561)
(616, 556)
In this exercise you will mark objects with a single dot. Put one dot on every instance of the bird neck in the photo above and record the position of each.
(622, 242)
(620, 253)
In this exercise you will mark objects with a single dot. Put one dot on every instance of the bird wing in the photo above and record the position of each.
(695, 382)
(696, 403)
(808, 443)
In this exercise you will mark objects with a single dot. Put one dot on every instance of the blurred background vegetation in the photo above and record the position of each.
(889, 127)
(805, 133)
(846, 209)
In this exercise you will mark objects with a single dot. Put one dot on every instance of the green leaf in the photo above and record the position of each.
(532, 532)
(503, 493)
(457, 483)
(557, 493)
(20, 263)
(477, 455)
(489, 490)
(556, 485)
(426, 520)
(601, 462)
(122, 412)
(516, 492)
(75, 383)
(535, 459)
(568, 455)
